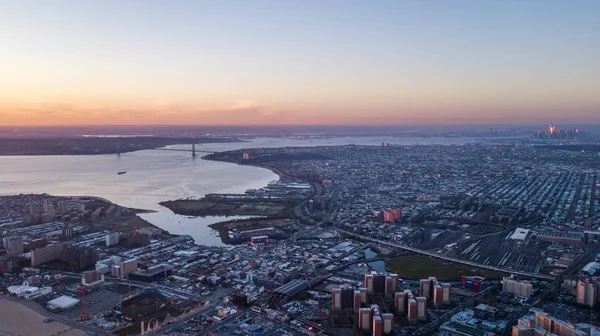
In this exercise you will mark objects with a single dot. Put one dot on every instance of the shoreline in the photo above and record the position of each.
(136, 212)
(95, 146)
(19, 319)
(274, 170)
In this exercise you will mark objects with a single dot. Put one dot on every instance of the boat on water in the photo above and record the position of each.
(121, 173)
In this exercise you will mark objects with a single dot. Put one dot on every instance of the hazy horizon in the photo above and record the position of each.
(277, 63)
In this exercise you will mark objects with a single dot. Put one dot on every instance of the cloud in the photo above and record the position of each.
(252, 112)
(161, 112)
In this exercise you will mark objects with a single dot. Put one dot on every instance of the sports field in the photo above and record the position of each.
(420, 267)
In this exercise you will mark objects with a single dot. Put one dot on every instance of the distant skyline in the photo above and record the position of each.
(299, 62)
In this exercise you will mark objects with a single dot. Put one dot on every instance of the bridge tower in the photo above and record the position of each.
(194, 150)
(118, 150)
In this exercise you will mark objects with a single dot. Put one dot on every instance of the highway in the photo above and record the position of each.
(439, 256)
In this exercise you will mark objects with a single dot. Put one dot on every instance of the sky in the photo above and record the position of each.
(84, 62)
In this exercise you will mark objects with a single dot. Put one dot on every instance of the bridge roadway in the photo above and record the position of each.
(439, 256)
(185, 150)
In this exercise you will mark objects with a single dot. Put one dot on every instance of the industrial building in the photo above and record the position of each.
(152, 273)
(293, 287)
(29, 292)
(561, 237)
(259, 240)
(520, 234)
(62, 303)
(475, 283)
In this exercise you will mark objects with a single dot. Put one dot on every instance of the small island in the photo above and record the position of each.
(231, 205)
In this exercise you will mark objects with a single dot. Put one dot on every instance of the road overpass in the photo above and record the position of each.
(443, 257)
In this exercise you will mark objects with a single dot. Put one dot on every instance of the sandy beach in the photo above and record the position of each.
(18, 320)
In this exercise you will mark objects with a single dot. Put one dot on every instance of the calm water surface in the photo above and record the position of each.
(155, 176)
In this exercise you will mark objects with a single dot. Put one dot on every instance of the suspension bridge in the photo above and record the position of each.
(192, 150)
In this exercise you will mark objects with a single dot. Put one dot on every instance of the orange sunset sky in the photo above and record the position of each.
(298, 62)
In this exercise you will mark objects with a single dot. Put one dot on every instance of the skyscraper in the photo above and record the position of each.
(46, 254)
(336, 299)
(421, 308)
(369, 283)
(519, 288)
(13, 245)
(438, 296)
(363, 295)
(389, 286)
(400, 302)
(446, 289)
(67, 231)
(357, 301)
(379, 283)
(412, 311)
(127, 267)
(63, 207)
(36, 208)
(364, 318)
(586, 293)
(377, 326)
(388, 323)
(425, 288)
(112, 238)
(48, 205)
